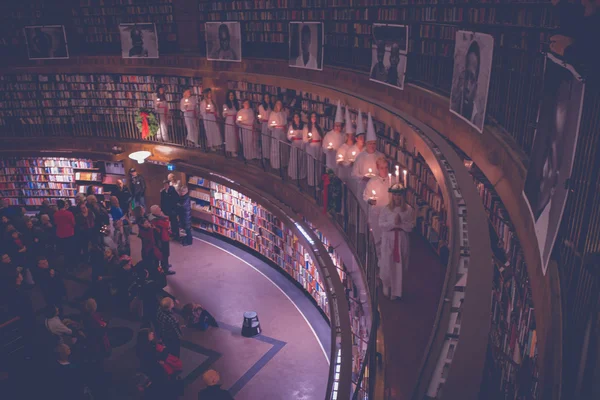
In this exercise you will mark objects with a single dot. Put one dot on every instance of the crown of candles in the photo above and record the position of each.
(397, 188)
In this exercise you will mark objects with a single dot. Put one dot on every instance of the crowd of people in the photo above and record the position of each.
(39, 251)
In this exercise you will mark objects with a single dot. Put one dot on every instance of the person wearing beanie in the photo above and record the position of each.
(333, 140)
(344, 156)
(367, 159)
(213, 389)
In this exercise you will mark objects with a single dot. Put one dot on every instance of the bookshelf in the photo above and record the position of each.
(30, 181)
(221, 210)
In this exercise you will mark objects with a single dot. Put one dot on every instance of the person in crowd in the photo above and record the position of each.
(213, 390)
(377, 196)
(248, 135)
(161, 107)
(150, 248)
(45, 208)
(150, 358)
(396, 221)
(333, 140)
(313, 137)
(6, 265)
(64, 220)
(95, 328)
(185, 215)
(224, 51)
(297, 167)
(139, 213)
(365, 165)
(161, 224)
(49, 231)
(392, 73)
(66, 379)
(264, 112)
(173, 181)
(123, 193)
(230, 110)
(9, 211)
(17, 299)
(359, 146)
(379, 72)
(277, 125)
(17, 248)
(120, 238)
(125, 278)
(51, 284)
(74, 208)
(115, 210)
(147, 287)
(189, 107)
(197, 317)
(138, 188)
(85, 223)
(168, 327)
(343, 155)
(305, 59)
(107, 239)
(31, 238)
(169, 199)
(60, 328)
(210, 113)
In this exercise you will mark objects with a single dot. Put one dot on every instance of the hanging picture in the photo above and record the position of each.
(138, 41)
(46, 42)
(473, 54)
(306, 45)
(553, 152)
(223, 41)
(388, 54)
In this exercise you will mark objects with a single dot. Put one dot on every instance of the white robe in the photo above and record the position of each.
(231, 136)
(190, 116)
(162, 113)
(390, 271)
(313, 148)
(297, 167)
(336, 139)
(248, 135)
(279, 151)
(265, 131)
(209, 116)
(363, 162)
(380, 186)
(344, 164)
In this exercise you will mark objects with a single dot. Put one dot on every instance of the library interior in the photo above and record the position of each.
(357, 223)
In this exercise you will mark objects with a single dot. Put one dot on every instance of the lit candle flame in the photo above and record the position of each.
(309, 134)
(158, 99)
(259, 116)
(353, 153)
(239, 118)
(370, 171)
(374, 193)
(291, 131)
(186, 100)
(340, 156)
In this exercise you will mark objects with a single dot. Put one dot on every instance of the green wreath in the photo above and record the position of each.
(152, 127)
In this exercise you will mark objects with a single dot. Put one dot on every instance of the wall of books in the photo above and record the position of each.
(221, 210)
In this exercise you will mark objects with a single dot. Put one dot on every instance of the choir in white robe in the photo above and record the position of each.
(344, 164)
(278, 125)
(248, 135)
(189, 109)
(297, 167)
(231, 136)
(395, 247)
(264, 130)
(336, 139)
(161, 107)
(313, 148)
(363, 162)
(380, 186)
(209, 114)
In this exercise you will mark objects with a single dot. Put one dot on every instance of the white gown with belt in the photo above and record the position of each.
(248, 135)
(336, 139)
(395, 247)
(209, 116)
(380, 186)
(161, 107)
(265, 131)
(297, 167)
(190, 117)
(313, 150)
(231, 136)
(277, 124)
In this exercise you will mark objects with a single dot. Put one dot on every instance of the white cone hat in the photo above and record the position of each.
(360, 125)
(371, 137)
(339, 118)
(349, 127)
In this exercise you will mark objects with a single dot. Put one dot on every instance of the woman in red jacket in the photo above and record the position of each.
(64, 220)
(150, 251)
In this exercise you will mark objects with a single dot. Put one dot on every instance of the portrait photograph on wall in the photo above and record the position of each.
(223, 41)
(388, 54)
(306, 45)
(138, 41)
(473, 54)
(553, 153)
(46, 42)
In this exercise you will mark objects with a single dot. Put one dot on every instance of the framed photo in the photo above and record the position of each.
(553, 152)
(388, 54)
(223, 41)
(473, 53)
(138, 40)
(46, 42)
(306, 45)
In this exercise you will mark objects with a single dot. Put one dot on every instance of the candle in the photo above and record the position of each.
(291, 131)
(370, 172)
(405, 172)
(186, 100)
(259, 116)
(158, 99)
(340, 157)
(273, 123)
(309, 134)
(390, 178)
(330, 146)
(208, 106)
(374, 195)
(224, 107)
(239, 117)
(397, 176)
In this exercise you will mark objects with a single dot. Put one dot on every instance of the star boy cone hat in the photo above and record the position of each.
(360, 125)
(339, 119)
(371, 137)
(349, 127)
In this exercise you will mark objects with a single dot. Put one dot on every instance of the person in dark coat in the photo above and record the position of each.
(51, 284)
(213, 390)
(168, 203)
(123, 193)
(138, 188)
(185, 215)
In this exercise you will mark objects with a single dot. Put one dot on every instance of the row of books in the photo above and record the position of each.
(36, 185)
(133, 10)
(88, 176)
(45, 162)
(37, 193)
(37, 170)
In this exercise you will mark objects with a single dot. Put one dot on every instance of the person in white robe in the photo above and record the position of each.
(209, 112)
(333, 140)
(396, 221)
(377, 196)
(278, 126)
(297, 167)
(343, 157)
(189, 107)
(359, 145)
(161, 107)
(230, 109)
(248, 133)
(313, 137)
(365, 166)
(264, 111)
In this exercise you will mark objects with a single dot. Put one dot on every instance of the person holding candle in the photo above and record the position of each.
(189, 108)
(359, 146)
(248, 136)
(380, 185)
(209, 112)
(161, 107)
(297, 167)
(344, 157)
(264, 112)
(367, 159)
(230, 109)
(278, 124)
(333, 140)
(396, 221)
(312, 137)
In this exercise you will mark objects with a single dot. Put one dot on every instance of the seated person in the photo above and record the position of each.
(65, 330)
(197, 317)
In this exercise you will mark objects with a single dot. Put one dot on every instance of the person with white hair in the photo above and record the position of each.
(213, 390)
(161, 224)
(168, 327)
